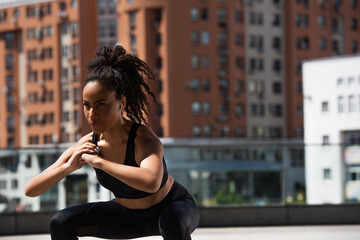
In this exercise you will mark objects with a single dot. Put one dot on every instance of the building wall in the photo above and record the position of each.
(265, 107)
(325, 124)
(183, 84)
(48, 60)
(304, 32)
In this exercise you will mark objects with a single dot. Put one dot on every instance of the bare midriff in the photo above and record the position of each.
(146, 202)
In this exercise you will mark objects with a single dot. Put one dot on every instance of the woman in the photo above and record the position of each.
(127, 157)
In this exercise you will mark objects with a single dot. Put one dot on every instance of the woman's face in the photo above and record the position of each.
(101, 108)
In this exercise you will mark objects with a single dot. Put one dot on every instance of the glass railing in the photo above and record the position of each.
(226, 173)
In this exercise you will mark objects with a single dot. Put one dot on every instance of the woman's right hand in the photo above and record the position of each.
(75, 161)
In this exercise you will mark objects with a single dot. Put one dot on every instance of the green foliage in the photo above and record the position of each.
(226, 197)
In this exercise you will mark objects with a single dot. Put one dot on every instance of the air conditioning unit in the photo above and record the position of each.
(62, 14)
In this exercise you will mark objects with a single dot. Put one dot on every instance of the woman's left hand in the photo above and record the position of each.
(91, 159)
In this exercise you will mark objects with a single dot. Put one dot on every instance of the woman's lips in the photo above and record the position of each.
(94, 124)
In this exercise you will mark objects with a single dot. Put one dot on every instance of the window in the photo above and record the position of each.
(207, 130)
(335, 47)
(66, 116)
(195, 37)
(239, 110)
(224, 108)
(277, 65)
(276, 20)
(194, 14)
(299, 131)
(112, 28)
(327, 174)
(325, 107)
(322, 43)
(341, 104)
(256, 18)
(9, 62)
(132, 17)
(275, 109)
(354, 46)
(74, 28)
(239, 39)
(9, 40)
(10, 121)
(75, 71)
(277, 88)
(239, 131)
(340, 81)
(206, 108)
(223, 84)
(353, 4)
(321, 21)
(133, 41)
(238, 16)
(2, 184)
(222, 14)
(196, 108)
(276, 44)
(300, 110)
(10, 103)
(206, 85)
(62, 6)
(76, 95)
(73, 3)
(225, 131)
(353, 24)
(326, 140)
(299, 87)
(205, 61)
(195, 84)
(352, 103)
(195, 61)
(196, 130)
(239, 87)
(205, 38)
(223, 61)
(14, 184)
(74, 52)
(64, 28)
(10, 82)
(204, 14)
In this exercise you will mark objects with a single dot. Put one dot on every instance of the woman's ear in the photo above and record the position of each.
(122, 103)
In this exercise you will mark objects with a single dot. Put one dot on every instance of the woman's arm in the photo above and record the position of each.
(68, 162)
(148, 176)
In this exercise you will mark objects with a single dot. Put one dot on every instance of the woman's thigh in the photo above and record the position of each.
(179, 219)
(101, 219)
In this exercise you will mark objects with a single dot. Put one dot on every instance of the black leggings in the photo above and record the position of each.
(175, 217)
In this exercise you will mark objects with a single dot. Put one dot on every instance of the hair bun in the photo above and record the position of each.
(119, 50)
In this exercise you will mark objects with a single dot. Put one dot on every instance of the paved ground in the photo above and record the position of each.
(328, 232)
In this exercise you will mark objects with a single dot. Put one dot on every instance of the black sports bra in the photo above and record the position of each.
(120, 189)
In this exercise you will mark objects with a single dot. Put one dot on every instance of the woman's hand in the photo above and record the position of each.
(92, 159)
(76, 162)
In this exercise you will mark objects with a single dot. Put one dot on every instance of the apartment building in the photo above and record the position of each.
(332, 129)
(314, 29)
(196, 49)
(45, 45)
(225, 68)
(107, 23)
(265, 58)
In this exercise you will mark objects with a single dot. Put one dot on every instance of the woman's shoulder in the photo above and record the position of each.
(145, 135)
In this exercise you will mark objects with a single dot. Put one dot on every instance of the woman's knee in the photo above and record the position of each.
(173, 228)
(60, 221)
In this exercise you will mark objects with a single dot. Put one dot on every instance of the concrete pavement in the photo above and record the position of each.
(323, 232)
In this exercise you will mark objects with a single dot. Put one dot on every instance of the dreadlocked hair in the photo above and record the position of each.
(125, 75)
